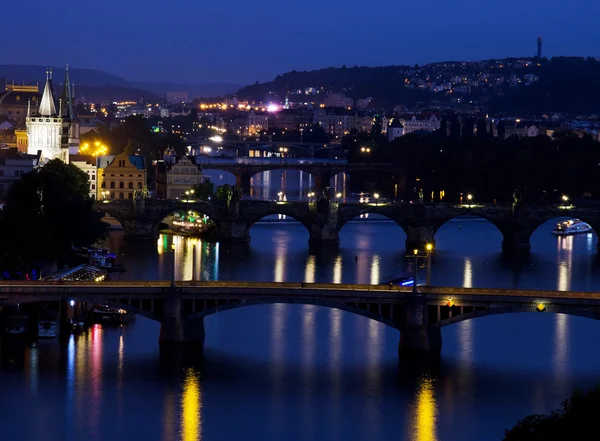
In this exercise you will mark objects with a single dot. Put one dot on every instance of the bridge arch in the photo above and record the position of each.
(369, 311)
(303, 220)
(347, 215)
(535, 226)
(188, 210)
(460, 219)
(551, 309)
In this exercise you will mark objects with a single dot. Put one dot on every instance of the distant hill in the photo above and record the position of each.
(97, 85)
(562, 84)
(193, 90)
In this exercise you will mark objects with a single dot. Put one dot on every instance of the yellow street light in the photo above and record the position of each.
(429, 247)
(541, 307)
(376, 195)
(415, 251)
(449, 303)
(338, 195)
(565, 198)
(470, 197)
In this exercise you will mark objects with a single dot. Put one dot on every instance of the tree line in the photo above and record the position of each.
(488, 167)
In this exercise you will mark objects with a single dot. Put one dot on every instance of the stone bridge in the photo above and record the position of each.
(324, 219)
(181, 307)
(322, 173)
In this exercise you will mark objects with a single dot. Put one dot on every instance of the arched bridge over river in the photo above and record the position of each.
(324, 219)
(181, 307)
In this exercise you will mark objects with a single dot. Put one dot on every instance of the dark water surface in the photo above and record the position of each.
(304, 372)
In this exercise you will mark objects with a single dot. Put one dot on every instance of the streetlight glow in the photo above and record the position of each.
(429, 247)
(470, 197)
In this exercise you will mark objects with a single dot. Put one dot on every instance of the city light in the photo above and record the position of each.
(97, 149)
(272, 108)
(338, 195)
(450, 303)
(216, 138)
(565, 198)
(429, 247)
(541, 307)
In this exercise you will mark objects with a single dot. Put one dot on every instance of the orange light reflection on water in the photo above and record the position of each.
(191, 407)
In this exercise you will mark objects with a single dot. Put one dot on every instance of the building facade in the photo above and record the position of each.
(13, 165)
(176, 176)
(87, 164)
(120, 176)
(15, 98)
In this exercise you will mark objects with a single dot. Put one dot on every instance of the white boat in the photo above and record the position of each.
(570, 227)
(48, 324)
(48, 328)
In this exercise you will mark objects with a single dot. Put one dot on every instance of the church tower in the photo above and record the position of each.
(49, 129)
(70, 135)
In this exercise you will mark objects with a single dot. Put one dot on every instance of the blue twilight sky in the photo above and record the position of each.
(242, 41)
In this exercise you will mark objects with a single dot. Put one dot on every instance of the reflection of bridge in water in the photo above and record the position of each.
(323, 220)
(181, 307)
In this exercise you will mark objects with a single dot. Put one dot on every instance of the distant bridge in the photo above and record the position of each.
(321, 172)
(323, 220)
(181, 307)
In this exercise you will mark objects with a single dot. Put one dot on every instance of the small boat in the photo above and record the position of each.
(105, 262)
(48, 328)
(16, 324)
(570, 227)
(106, 314)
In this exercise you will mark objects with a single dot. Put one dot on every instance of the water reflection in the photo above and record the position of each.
(375, 270)
(467, 273)
(310, 268)
(337, 270)
(564, 260)
(96, 375)
(560, 352)
(191, 407)
(424, 424)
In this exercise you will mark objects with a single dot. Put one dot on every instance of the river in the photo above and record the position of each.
(304, 372)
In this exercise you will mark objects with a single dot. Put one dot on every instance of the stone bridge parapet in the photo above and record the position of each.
(324, 219)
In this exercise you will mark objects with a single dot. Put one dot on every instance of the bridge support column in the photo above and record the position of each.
(515, 243)
(176, 333)
(233, 232)
(137, 229)
(324, 230)
(242, 180)
(417, 237)
(417, 336)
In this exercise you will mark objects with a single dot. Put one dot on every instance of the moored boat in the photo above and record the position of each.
(106, 314)
(48, 324)
(16, 324)
(570, 227)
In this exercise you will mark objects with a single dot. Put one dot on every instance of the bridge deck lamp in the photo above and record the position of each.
(540, 307)
(450, 303)
(429, 247)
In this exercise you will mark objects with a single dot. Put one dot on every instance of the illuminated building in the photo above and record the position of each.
(120, 176)
(174, 177)
(53, 129)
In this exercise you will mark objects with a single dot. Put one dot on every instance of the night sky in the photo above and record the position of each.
(241, 41)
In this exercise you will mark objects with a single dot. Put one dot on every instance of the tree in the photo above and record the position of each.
(225, 193)
(204, 190)
(576, 420)
(47, 212)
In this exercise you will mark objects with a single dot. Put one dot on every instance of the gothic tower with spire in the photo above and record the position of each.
(53, 129)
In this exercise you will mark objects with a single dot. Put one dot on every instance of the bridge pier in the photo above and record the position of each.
(324, 230)
(233, 232)
(515, 243)
(138, 229)
(417, 336)
(417, 237)
(176, 334)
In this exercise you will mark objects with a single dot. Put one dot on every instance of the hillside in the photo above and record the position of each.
(96, 85)
(512, 85)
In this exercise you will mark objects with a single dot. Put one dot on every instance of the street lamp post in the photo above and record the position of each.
(565, 199)
(416, 272)
(429, 248)
(376, 197)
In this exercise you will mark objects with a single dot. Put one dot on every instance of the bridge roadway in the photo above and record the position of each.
(181, 308)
